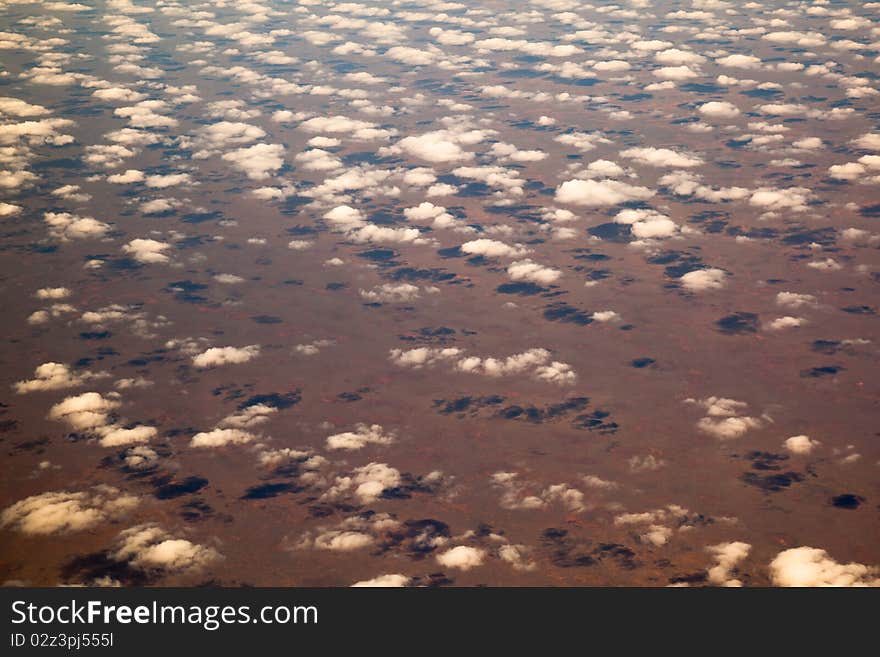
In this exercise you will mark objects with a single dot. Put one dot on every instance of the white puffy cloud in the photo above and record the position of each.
(19, 108)
(605, 316)
(216, 356)
(128, 177)
(728, 555)
(677, 57)
(739, 61)
(599, 193)
(65, 226)
(526, 495)
(794, 299)
(147, 251)
(725, 418)
(52, 293)
(351, 128)
(439, 146)
(675, 73)
(149, 547)
(9, 209)
(392, 293)
(353, 533)
(800, 444)
(701, 280)
(345, 218)
(221, 438)
(719, 109)
(116, 436)
(89, 410)
(53, 376)
(583, 141)
(365, 483)
(792, 198)
(805, 39)
(64, 512)
(656, 531)
(462, 557)
(160, 181)
(386, 234)
(493, 249)
(384, 581)
(160, 206)
(257, 162)
(870, 141)
(362, 436)
(662, 157)
(786, 322)
(809, 566)
(527, 270)
(535, 362)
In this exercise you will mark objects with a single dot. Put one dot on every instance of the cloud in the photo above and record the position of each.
(149, 547)
(527, 270)
(515, 494)
(160, 206)
(870, 141)
(800, 444)
(353, 533)
(439, 147)
(168, 180)
(386, 234)
(221, 438)
(52, 293)
(605, 316)
(535, 362)
(462, 557)
(656, 533)
(257, 162)
(19, 108)
(362, 436)
(516, 556)
(649, 463)
(794, 299)
(214, 137)
(781, 323)
(728, 555)
(719, 109)
(675, 56)
(675, 73)
(65, 512)
(662, 157)
(809, 566)
(739, 61)
(216, 356)
(583, 141)
(116, 436)
(701, 280)
(345, 218)
(725, 419)
(53, 376)
(392, 293)
(793, 198)
(384, 581)
(352, 128)
(493, 249)
(130, 176)
(9, 209)
(147, 251)
(365, 483)
(87, 411)
(593, 193)
(65, 226)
